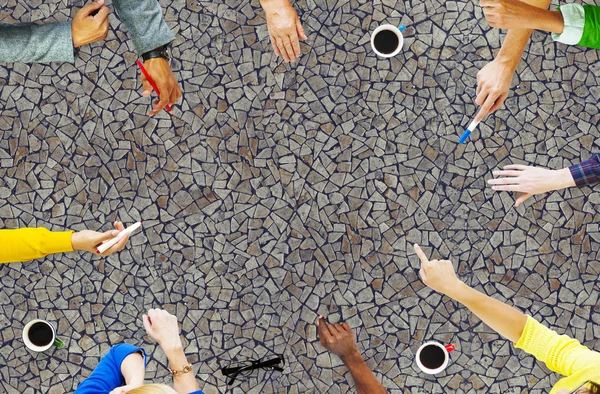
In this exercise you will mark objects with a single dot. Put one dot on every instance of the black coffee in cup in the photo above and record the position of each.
(386, 42)
(40, 334)
(432, 356)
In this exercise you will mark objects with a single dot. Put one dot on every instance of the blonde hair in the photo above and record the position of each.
(151, 389)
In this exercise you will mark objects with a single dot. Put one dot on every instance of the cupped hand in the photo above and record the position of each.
(493, 84)
(89, 240)
(90, 24)
(437, 274)
(162, 75)
(285, 29)
(530, 180)
(163, 328)
(339, 339)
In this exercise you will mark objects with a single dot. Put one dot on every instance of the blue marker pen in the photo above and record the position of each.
(467, 132)
(401, 28)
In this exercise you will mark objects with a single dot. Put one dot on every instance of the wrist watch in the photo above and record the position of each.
(158, 52)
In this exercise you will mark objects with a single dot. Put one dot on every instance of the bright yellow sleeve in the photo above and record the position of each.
(561, 353)
(32, 243)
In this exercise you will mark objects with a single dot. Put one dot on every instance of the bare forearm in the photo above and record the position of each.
(564, 179)
(365, 381)
(504, 319)
(132, 369)
(184, 383)
(516, 39)
(269, 5)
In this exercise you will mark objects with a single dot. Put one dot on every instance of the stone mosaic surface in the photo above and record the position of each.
(279, 192)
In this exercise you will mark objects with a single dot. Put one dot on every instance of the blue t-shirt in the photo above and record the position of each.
(107, 375)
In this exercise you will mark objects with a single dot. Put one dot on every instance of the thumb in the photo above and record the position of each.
(91, 7)
(146, 85)
(522, 198)
(147, 324)
(105, 236)
(300, 29)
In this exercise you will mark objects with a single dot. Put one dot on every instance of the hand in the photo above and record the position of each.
(160, 71)
(339, 339)
(90, 24)
(493, 83)
(284, 28)
(530, 180)
(437, 274)
(164, 329)
(89, 240)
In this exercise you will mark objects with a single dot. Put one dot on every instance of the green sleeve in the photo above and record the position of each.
(591, 29)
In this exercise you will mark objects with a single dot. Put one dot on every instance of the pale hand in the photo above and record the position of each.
(285, 28)
(162, 75)
(339, 339)
(89, 240)
(437, 274)
(493, 84)
(87, 28)
(530, 180)
(163, 328)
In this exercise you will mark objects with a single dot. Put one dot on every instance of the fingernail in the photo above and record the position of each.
(145, 93)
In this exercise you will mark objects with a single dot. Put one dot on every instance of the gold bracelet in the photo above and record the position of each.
(185, 369)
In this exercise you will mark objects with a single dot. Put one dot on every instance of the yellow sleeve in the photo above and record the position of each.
(562, 354)
(32, 243)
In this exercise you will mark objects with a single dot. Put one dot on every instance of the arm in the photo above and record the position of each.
(164, 329)
(339, 339)
(184, 383)
(531, 180)
(493, 81)
(144, 20)
(587, 172)
(149, 31)
(114, 374)
(53, 42)
(33, 43)
(132, 369)
(32, 243)
(440, 276)
(560, 353)
(504, 319)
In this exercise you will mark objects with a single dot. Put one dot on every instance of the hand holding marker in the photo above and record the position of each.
(106, 245)
(152, 83)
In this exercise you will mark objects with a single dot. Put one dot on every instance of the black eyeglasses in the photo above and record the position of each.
(593, 387)
(245, 368)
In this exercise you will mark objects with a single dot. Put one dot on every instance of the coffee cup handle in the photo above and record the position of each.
(58, 343)
(450, 347)
(401, 28)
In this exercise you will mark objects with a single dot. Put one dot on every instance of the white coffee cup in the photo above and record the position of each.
(394, 29)
(440, 360)
(41, 330)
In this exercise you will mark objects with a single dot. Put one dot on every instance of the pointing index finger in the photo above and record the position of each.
(322, 328)
(421, 254)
